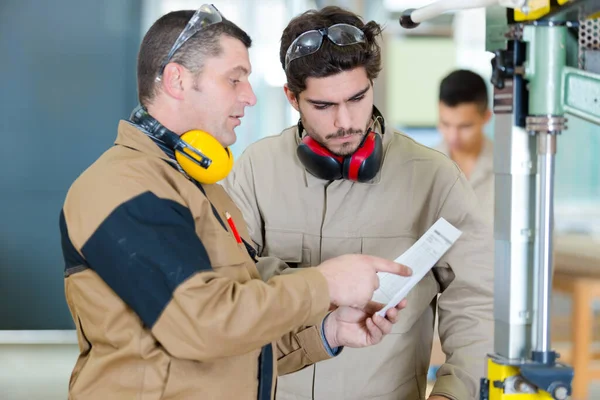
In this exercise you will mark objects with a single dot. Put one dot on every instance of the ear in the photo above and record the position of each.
(487, 116)
(293, 100)
(172, 80)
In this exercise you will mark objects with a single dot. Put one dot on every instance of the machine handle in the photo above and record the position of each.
(411, 18)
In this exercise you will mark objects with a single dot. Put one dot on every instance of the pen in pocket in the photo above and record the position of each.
(233, 228)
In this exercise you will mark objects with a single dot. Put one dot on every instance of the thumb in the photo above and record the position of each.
(383, 265)
(372, 307)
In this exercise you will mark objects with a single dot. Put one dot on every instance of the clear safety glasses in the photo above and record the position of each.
(206, 15)
(311, 41)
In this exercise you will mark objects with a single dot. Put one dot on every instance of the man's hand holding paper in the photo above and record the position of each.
(421, 257)
(358, 322)
(354, 327)
(352, 280)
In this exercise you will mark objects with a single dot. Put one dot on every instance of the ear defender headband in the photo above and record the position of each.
(199, 154)
(360, 166)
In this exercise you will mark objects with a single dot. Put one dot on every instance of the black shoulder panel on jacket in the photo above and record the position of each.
(144, 250)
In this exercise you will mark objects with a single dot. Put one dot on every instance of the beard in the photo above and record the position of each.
(345, 149)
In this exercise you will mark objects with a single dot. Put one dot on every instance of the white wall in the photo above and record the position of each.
(36, 371)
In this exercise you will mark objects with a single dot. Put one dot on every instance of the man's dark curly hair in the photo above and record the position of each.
(330, 59)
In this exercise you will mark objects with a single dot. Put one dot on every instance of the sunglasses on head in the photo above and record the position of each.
(205, 16)
(311, 41)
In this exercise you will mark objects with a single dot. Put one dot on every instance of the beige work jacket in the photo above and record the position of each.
(167, 305)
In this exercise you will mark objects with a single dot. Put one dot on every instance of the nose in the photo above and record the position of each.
(343, 118)
(247, 95)
(453, 134)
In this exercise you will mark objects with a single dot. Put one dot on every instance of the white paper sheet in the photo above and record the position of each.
(421, 257)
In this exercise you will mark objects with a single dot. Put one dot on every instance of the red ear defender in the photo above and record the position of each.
(318, 160)
(365, 162)
(361, 166)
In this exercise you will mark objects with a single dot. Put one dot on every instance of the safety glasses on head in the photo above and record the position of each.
(206, 15)
(311, 41)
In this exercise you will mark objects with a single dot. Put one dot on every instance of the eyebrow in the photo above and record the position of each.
(330, 103)
(241, 69)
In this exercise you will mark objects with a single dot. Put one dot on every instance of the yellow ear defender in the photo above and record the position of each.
(198, 153)
(202, 157)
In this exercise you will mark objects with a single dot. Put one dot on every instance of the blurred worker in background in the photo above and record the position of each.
(463, 114)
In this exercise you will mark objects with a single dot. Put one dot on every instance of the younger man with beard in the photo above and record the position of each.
(340, 182)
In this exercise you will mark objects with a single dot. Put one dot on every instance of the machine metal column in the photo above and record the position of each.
(515, 167)
(545, 61)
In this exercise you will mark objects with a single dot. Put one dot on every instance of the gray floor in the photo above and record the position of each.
(41, 372)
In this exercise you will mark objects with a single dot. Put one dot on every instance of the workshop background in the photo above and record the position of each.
(68, 76)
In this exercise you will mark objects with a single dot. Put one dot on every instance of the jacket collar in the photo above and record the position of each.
(311, 180)
(485, 162)
(129, 135)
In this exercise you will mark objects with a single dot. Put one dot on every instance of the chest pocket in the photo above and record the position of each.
(421, 296)
(226, 255)
(288, 247)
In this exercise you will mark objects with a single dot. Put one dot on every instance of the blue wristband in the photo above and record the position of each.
(330, 351)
